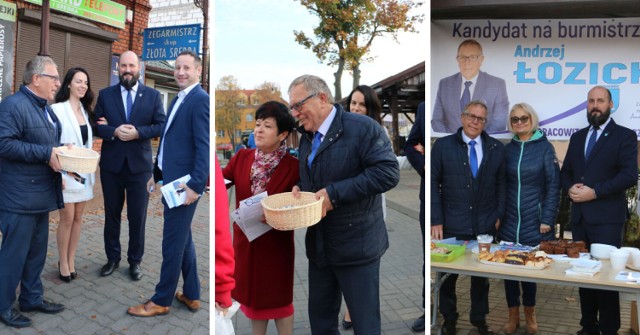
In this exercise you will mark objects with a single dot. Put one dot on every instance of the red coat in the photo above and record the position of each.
(264, 267)
(224, 251)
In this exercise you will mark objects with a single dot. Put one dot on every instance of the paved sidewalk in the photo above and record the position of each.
(98, 305)
(400, 272)
(557, 309)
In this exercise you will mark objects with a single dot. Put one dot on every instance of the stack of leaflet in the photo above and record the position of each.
(250, 218)
(584, 267)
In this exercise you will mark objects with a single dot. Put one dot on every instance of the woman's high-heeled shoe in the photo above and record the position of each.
(66, 279)
(346, 324)
(74, 275)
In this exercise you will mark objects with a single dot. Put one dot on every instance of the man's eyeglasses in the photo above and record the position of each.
(55, 78)
(298, 105)
(522, 119)
(464, 59)
(472, 117)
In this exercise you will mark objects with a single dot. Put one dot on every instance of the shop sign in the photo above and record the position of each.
(165, 43)
(103, 11)
(7, 42)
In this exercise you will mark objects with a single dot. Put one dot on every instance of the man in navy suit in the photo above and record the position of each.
(184, 150)
(469, 84)
(467, 199)
(31, 188)
(130, 115)
(414, 148)
(601, 163)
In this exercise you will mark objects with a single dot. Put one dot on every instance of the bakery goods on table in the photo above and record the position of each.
(566, 247)
(517, 257)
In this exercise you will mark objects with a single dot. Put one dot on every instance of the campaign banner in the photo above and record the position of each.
(7, 49)
(550, 64)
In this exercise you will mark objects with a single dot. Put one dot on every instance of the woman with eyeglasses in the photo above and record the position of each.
(533, 193)
(73, 108)
(264, 266)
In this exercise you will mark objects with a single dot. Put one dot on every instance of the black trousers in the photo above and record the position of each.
(479, 299)
(479, 295)
(600, 309)
(360, 285)
(114, 187)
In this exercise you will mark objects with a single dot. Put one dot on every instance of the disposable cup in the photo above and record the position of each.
(484, 247)
(618, 259)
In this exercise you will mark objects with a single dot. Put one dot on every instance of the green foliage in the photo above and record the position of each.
(632, 226)
(347, 28)
(227, 106)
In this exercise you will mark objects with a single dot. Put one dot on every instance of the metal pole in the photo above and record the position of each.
(204, 5)
(44, 30)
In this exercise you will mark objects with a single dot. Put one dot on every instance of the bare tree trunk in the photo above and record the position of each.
(338, 80)
(356, 76)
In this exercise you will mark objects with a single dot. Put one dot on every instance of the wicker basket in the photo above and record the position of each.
(284, 212)
(77, 159)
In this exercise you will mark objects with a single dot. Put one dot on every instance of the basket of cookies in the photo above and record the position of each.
(283, 211)
(77, 159)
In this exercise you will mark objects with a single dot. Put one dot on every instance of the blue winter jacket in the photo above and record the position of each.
(464, 205)
(533, 190)
(355, 163)
(27, 137)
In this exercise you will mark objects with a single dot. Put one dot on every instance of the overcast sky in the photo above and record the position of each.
(254, 42)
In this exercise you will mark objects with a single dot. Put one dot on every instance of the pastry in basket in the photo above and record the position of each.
(440, 250)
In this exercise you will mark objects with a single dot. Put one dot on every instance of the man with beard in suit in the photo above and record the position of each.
(129, 116)
(600, 165)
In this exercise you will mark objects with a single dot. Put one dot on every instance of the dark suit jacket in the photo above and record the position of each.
(186, 142)
(147, 116)
(489, 89)
(416, 136)
(611, 168)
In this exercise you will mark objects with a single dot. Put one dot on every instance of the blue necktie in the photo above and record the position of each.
(592, 142)
(466, 96)
(314, 147)
(473, 158)
(129, 105)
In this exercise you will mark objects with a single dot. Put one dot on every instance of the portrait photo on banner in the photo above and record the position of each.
(549, 63)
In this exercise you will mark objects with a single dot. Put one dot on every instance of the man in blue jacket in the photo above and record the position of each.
(31, 188)
(467, 199)
(183, 150)
(346, 158)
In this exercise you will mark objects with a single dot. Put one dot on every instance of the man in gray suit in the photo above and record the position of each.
(469, 84)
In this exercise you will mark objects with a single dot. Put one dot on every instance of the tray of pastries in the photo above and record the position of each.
(564, 247)
(535, 260)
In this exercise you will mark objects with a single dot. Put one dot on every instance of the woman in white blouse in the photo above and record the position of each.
(73, 108)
